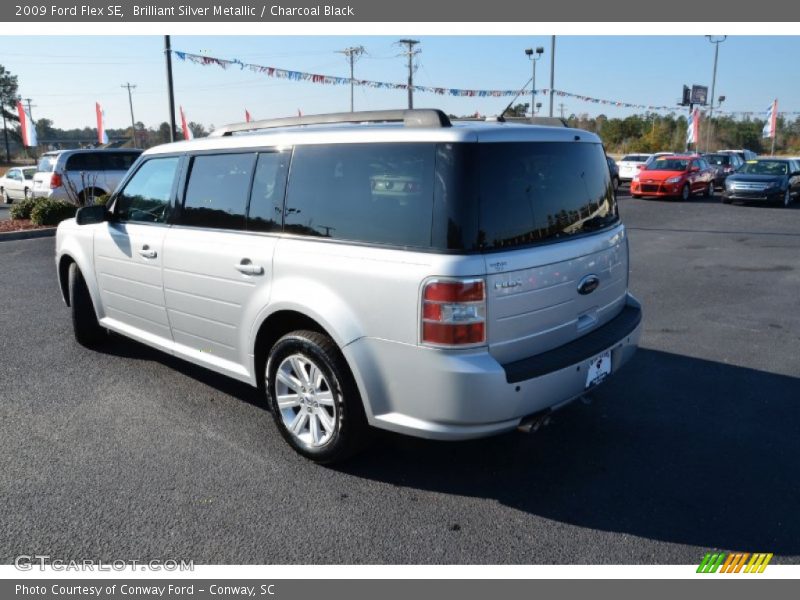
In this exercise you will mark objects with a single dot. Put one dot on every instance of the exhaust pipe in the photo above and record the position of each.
(533, 423)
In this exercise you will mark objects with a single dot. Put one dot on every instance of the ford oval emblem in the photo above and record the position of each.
(588, 284)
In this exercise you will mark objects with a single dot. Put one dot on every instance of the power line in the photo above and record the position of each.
(352, 53)
(410, 53)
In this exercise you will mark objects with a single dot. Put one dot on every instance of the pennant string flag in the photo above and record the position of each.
(302, 76)
(27, 127)
(102, 137)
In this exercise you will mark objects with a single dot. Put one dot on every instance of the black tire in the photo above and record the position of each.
(87, 330)
(709, 191)
(787, 199)
(615, 183)
(726, 200)
(27, 194)
(350, 431)
(6, 198)
(686, 193)
(635, 196)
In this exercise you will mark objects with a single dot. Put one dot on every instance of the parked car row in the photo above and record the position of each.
(768, 179)
(70, 175)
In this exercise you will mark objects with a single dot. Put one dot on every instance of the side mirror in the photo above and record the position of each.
(89, 215)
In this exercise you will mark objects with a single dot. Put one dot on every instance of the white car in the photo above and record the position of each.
(630, 164)
(16, 184)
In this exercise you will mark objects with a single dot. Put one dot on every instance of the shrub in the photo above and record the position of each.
(22, 210)
(51, 212)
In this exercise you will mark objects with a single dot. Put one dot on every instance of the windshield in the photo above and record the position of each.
(765, 167)
(634, 158)
(718, 159)
(668, 164)
(47, 163)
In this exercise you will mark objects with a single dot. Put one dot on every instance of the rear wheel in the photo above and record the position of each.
(27, 193)
(85, 326)
(709, 191)
(685, 193)
(313, 397)
(6, 198)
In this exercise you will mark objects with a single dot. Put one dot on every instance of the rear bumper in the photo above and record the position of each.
(450, 396)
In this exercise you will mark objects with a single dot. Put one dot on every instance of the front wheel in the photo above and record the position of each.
(787, 198)
(313, 397)
(6, 197)
(85, 326)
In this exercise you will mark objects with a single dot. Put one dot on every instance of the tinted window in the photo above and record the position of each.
(84, 161)
(146, 196)
(379, 193)
(29, 173)
(117, 161)
(719, 159)
(47, 163)
(766, 167)
(216, 193)
(534, 192)
(266, 197)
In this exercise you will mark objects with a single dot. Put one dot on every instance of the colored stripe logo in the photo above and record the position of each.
(737, 562)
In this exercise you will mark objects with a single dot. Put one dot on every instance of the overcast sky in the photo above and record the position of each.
(64, 76)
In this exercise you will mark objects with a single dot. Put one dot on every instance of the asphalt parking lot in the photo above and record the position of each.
(130, 454)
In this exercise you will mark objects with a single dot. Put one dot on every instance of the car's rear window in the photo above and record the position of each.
(718, 159)
(539, 192)
(634, 158)
(47, 163)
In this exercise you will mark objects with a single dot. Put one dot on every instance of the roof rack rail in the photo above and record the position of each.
(424, 117)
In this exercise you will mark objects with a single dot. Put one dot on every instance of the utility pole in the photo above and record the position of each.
(561, 108)
(352, 53)
(30, 116)
(171, 91)
(552, 70)
(716, 41)
(410, 53)
(130, 102)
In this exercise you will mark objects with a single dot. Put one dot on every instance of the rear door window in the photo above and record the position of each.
(266, 198)
(376, 193)
(83, 161)
(117, 161)
(217, 190)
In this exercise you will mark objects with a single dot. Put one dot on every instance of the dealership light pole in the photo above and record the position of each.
(533, 57)
(716, 40)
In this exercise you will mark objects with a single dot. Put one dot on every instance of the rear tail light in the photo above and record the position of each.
(454, 312)
(55, 181)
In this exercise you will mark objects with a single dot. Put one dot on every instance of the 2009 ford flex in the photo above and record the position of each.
(386, 269)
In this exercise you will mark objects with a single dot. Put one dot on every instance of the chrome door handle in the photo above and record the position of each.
(248, 268)
(147, 252)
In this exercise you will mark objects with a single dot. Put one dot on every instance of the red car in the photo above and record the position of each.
(675, 176)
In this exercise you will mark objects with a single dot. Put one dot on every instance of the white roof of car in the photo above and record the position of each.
(472, 131)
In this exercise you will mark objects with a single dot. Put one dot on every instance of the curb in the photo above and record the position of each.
(27, 234)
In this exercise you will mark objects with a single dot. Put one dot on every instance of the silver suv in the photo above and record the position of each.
(80, 175)
(387, 269)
